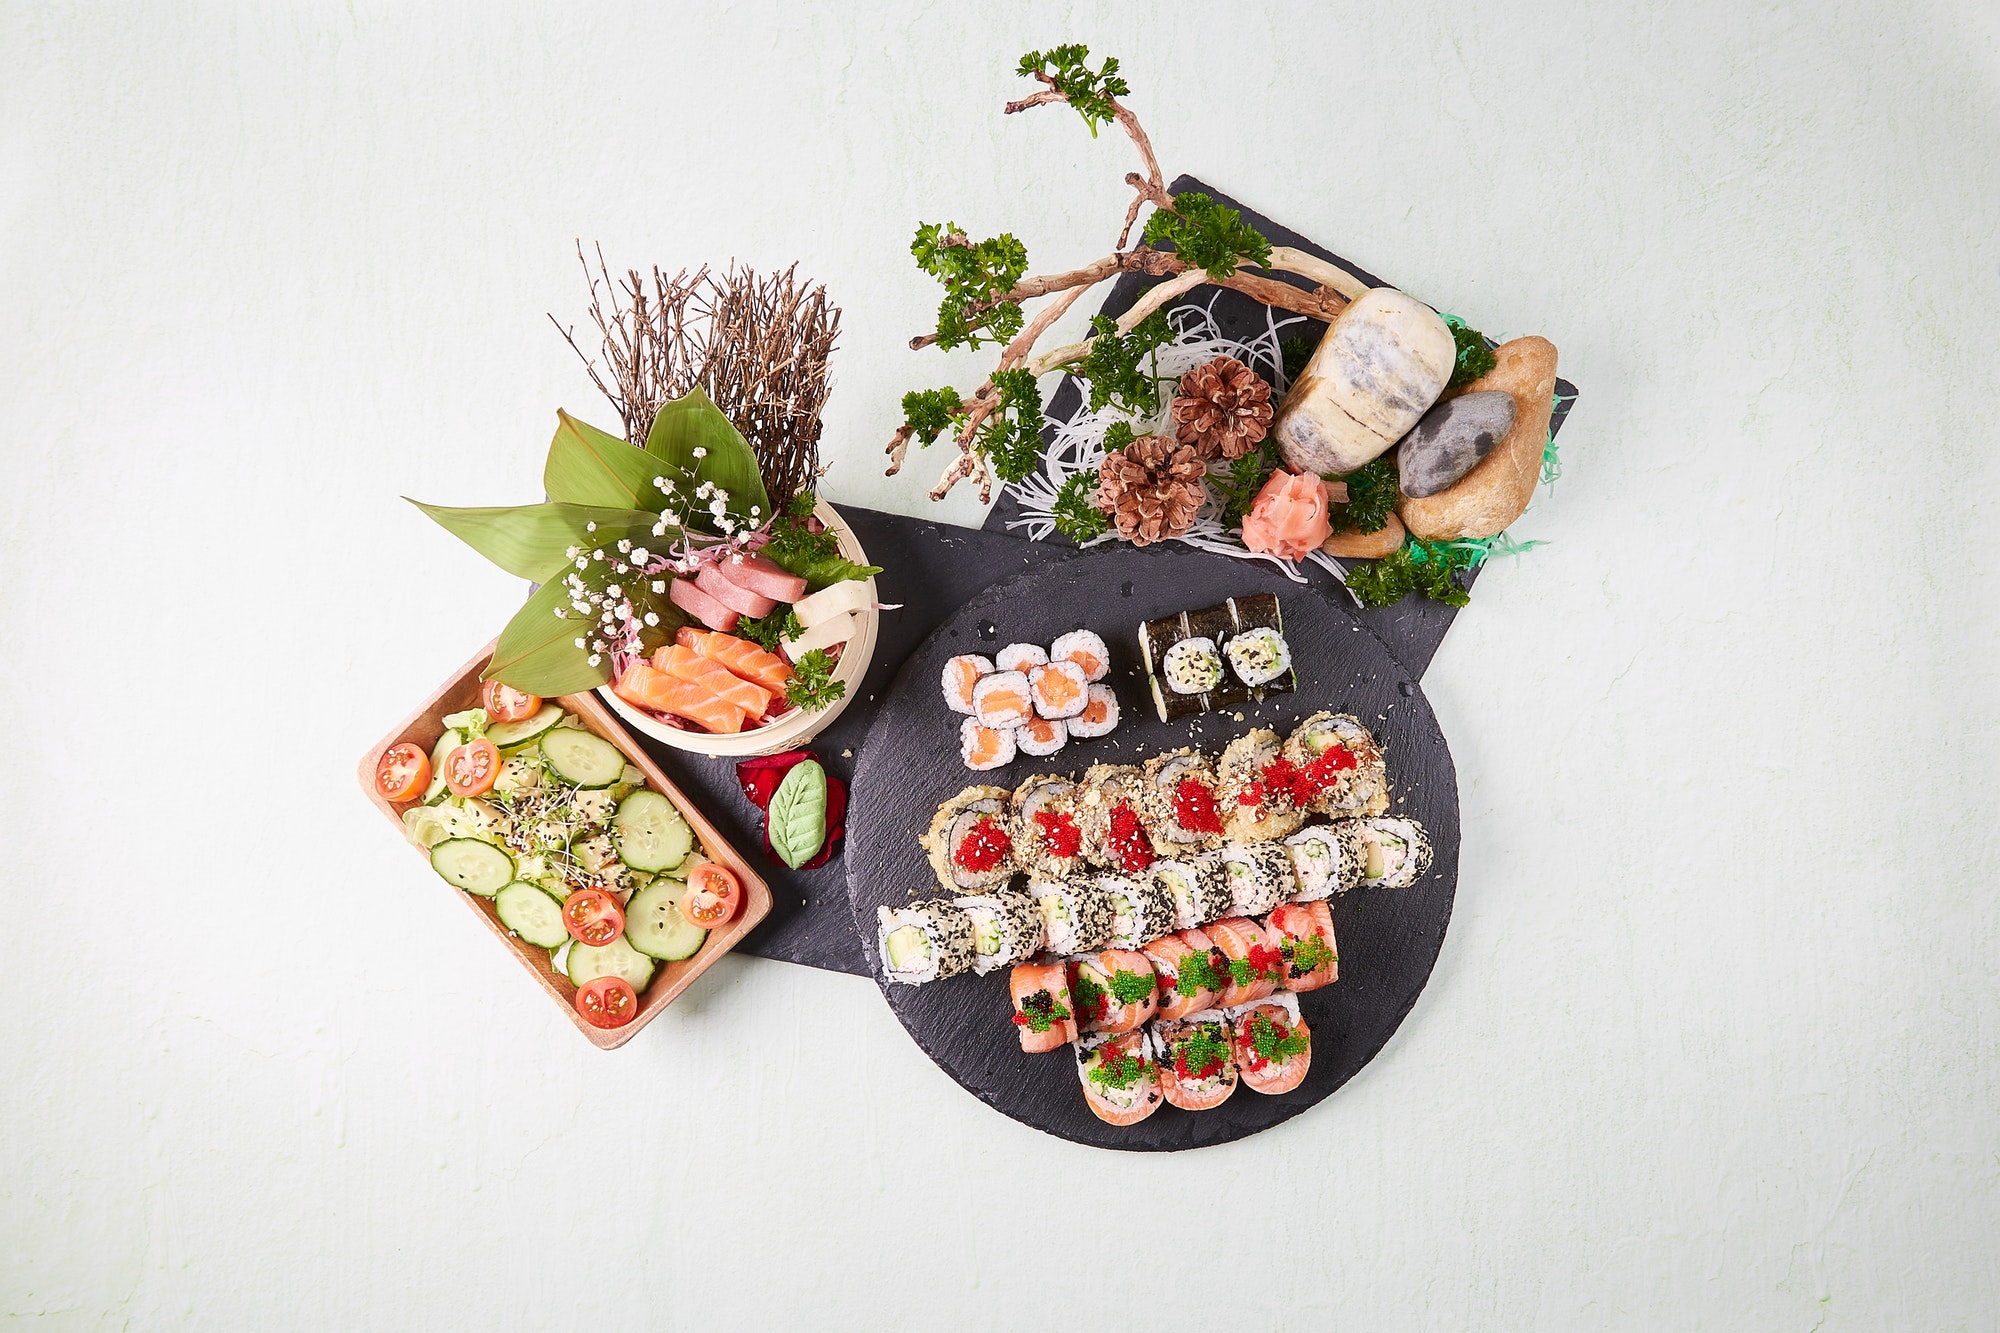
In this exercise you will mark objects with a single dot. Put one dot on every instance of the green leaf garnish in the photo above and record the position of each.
(1011, 438)
(1475, 358)
(1416, 566)
(929, 413)
(1371, 497)
(586, 466)
(812, 684)
(1237, 489)
(1112, 366)
(1076, 513)
(1089, 91)
(767, 631)
(534, 541)
(700, 445)
(537, 651)
(798, 814)
(813, 556)
(1207, 235)
(1296, 353)
(975, 274)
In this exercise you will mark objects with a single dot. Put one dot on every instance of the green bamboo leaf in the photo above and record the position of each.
(692, 422)
(532, 541)
(588, 467)
(537, 651)
(798, 814)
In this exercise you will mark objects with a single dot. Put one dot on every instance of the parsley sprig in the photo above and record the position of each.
(1112, 368)
(1475, 358)
(1076, 513)
(812, 684)
(1068, 71)
(1207, 235)
(1371, 497)
(1417, 566)
(975, 274)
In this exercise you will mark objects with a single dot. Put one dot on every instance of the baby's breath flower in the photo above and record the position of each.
(579, 643)
(640, 555)
(700, 452)
(590, 527)
(652, 617)
(597, 555)
(595, 658)
(562, 613)
(572, 552)
(581, 563)
(613, 590)
(659, 585)
(624, 545)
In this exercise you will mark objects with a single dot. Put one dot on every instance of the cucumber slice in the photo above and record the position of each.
(448, 742)
(506, 735)
(531, 914)
(588, 962)
(582, 758)
(650, 833)
(475, 866)
(655, 926)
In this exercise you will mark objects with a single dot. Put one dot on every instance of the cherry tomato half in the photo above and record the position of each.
(593, 916)
(712, 896)
(470, 769)
(504, 703)
(608, 1002)
(402, 773)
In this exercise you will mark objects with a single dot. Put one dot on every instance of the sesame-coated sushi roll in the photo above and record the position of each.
(1111, 807)
(970, 843)
(1191, 972)
(960, 674)
(923, 942)
(1326, 859)
(1197, 1065)
(1085, 648)
(1121, 1079)
(1340, 768)
(1114, 990)
(1099, 716)
(1311, 958)
(1141, 909)
(1048, 841)
(1075, 916)
(1043, 1012)
(1192, 666)
(1002, 701)
(1258, 656)
(1397, 851)
(1020, 656)
(983, 747)
(1254, 961)
(1271, 1044)
(1259, 876)
(1256, 804)
(1006, 928)
(1059, 689)
(1180, 803)
(1041, 736)
(1197, 889)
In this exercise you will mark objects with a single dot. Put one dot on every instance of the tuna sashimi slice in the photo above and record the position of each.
(663, 693)
(714, 677)
(701, 606)
(762, 575)
(740, 600)
(741, 656)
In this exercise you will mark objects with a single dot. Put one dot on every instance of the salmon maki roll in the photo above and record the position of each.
(1197, 1064)
(1042, 1008)
(1114, 991)
(1191, 972)
(1311, 959)
(1059, 689)
(1002, 700)
(1254, 961)
(1020, 656)
(1121, 1080)
(1085, 648)
(960, 674)
(1272, 1045)
(983, 747)
(1099, 716)
(1041, 736)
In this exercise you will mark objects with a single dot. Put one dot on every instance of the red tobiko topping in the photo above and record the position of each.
(984, 847)
(1252, 794)
(1265, 959)
(1194, 807)
(1059, 833)
(1127, 841)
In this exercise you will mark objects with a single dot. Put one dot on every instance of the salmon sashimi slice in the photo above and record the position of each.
(685, 594)
(663, 693)
(762, 575)
(1098, 982)
(741, 656)
(1043, 1010)
(1266, 1031)
(1254, 960)
(714, 677)
(1197, 1069)
(1170, 955)
(1311, 959)
(1129, 1089)
(740, 600)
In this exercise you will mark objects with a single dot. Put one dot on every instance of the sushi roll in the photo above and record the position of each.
(1251, 790)
(1039, 736)
(1259, 876)
(923, 942)
(970, 843)
(1326, 859)
(1216, 624)
(1141, 909)
(1192, 666)
(983, 747)
(1341, 771)
(1002, 701)
(1085, 648)
(1271, 1044)
(1042, 1009)
(1262, 612)
(1258, 656)
(1197, 1064)
(1191, 972)
(1196, 889)
(1180, 802)
(960, 674)
(1111, 809)
(1121, 1080)
(1396, 851)
(1020, 656)
(1311, 958)
(1006, 928)
(1113, 990)
(1254, 961)
(1099, 715)
(1156, 639)
(1048, 843)
(1059, 689)
(1076, 916)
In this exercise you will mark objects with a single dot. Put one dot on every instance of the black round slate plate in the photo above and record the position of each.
(1388, 938)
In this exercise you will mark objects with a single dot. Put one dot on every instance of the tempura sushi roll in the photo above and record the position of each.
(1197, 1065)
(1042, 1009)
(1397, 851)
(1310, 957)
(960, 674)
(1076, 916)
(1111, 808)
(1121, 1080)
(1099, 716)
(1002, 701)
(923, 942)
(1048, 840)
(1191, 972)
(1326, 859)
(1006, 928)
(1341, 771)
(970, 844)
(1041, 736)
(1059, 689)
(1020, 656)
(1180, 803)
(1258, 875)
(982, 747)
(1114, 990)
(1256, 804)
(1085, 648)
(1254, 961)
(1271, 1044)
(1141, 909)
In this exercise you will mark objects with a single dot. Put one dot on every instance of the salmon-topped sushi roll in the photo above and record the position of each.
(1085, 648)
(1121, 1080)
(1114, 991)
(1059, 689)
(1190, 971)
(1311, 959)
(960, 674)
(1002, 701)
(1197, 1067)
(1042, 1008)
(1254, 960)
(1272, 1045)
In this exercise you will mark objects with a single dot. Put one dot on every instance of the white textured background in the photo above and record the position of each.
(1714, 1041)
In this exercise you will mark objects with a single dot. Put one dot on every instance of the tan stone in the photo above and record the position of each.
(1485, 500)
(1352, 545)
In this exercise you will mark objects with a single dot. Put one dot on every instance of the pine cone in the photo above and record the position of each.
(1152, 488)
(1224, 408)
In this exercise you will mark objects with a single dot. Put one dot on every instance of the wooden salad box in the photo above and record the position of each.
(461, 692)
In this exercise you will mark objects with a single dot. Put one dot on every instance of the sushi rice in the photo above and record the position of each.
(960, 674)
(1076, 916)
(1041, 736)
(1020, 656)
(983, 747)
(1099, 716)
(1259, 876)
(1142, 909)
(1192, 666)
(1258, 656)
(1002, 701)
(1326, 859)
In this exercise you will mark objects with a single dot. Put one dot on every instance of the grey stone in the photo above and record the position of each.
(1451, 439)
